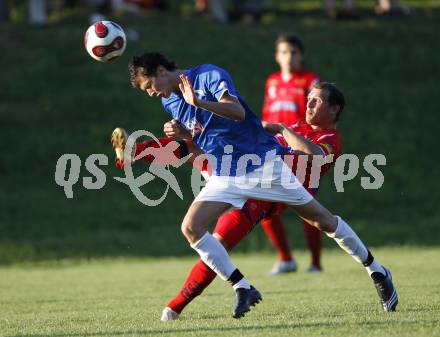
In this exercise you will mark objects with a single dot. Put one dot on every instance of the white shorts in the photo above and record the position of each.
(274, 181)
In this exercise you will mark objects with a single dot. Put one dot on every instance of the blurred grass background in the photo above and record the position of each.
(55, 99)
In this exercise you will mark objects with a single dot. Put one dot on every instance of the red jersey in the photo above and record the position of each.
(286, 102)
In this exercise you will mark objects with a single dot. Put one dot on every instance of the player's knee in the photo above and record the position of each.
(186, 229)
(190, 230)
(325, 223)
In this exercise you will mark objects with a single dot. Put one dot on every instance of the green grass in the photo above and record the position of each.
(55, 99)
(125, 297)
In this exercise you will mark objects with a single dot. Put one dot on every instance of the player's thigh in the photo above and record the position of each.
(232, 227)
(201, 213)
(316, 215)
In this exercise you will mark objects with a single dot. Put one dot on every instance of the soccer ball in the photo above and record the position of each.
(105, 41)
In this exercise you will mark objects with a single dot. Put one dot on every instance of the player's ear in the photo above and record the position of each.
(160, 70)
(334, 110)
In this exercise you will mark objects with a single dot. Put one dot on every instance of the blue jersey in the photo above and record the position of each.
(225, 139)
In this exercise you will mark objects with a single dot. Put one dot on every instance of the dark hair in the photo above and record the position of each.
(292, 40)
(334, 96)
(147, 64)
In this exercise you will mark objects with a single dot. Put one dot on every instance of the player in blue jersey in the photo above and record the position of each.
(205, 106)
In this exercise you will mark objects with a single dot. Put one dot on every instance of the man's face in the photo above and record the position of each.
(158, 85)
(319, 112)
(288, 56)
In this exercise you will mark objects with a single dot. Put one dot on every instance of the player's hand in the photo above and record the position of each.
(273, 128)
(187, 90)
(173, 129)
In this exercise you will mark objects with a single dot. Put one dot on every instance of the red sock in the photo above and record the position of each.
(234, 226)
(162, 153)
(313, 237)
(198, 279)
(274, 228)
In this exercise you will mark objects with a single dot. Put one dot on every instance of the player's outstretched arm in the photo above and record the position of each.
(272, 128)
(299, 143)
(228, 106)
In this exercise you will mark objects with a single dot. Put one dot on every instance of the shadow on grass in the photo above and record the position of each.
(207, 329)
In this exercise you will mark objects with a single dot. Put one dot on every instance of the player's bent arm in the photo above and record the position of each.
(272, 128)
(174, 129)
(193, 149)
(228, 107)
(300, 144)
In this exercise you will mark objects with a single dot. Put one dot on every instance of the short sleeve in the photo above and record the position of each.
(328, 144)
(167, 108)
(219, 82)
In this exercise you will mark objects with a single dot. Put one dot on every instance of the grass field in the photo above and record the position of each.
(125, 297)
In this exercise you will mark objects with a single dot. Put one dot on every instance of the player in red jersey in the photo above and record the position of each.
(232, 227)
(285, 102)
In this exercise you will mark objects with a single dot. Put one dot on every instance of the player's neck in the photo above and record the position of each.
(323, 127)
(287, 74)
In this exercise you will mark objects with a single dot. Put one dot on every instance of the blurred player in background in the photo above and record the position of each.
(349, 12)
(285, 102)
(286, 91)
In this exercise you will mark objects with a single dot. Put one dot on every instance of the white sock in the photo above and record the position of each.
(243, 283)
(347, 239)
(375, 267)
(214, 255)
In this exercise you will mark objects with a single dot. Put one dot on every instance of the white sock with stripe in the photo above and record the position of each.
(347, 239)
(214, 255)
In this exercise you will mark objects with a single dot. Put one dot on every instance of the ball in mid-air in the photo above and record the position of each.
(105, 41)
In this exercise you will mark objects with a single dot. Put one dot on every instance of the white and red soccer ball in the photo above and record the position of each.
(105, 41)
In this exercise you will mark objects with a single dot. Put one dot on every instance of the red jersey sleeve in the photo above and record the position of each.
(330, 144)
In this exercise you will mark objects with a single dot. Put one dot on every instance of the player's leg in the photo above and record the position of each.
(198, 279)
(194, 226)
(196, 221)
(284, 187)
(336, 228)
(184, 147)
(230, 229)
(313, 238)
(274, 228)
